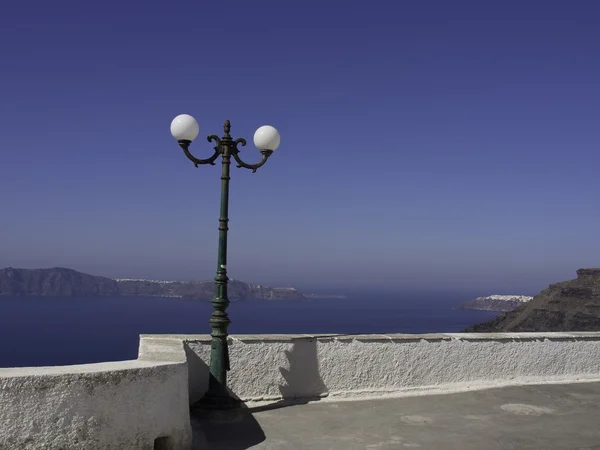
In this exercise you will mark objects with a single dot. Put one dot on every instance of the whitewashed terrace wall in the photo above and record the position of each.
(273, 367)
(128, 404)
(114, 405)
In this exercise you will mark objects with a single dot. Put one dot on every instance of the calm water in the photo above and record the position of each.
(58, 331)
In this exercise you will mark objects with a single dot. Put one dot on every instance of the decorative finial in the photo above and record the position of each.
(227, 127)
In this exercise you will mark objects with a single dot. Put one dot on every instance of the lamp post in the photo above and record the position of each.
(185, 129)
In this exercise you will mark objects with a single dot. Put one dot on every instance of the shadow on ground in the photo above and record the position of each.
(238, 429)
(235, 429)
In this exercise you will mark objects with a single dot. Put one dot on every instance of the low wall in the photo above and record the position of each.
(142, 404)
(273, 367)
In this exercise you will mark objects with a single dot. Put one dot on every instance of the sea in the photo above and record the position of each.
(53, 331)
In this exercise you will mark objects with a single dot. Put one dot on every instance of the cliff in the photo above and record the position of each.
(500, 303)
(58, 282)
(61, 282)
(572, 305)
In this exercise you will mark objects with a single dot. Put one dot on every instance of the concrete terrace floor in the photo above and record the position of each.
(565, 417)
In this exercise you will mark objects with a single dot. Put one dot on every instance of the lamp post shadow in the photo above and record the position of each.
(238, 429)
(303, 382)
(234, 429)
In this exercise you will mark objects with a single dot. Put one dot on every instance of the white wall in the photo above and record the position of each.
(116, 405)
(128, 404)
(272, 367)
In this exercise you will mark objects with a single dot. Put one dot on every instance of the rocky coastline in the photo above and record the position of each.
(572, 305)
(63, 282)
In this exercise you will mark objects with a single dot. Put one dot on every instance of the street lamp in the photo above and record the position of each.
(185, 129)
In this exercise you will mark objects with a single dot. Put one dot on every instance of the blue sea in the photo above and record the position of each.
(44, 331)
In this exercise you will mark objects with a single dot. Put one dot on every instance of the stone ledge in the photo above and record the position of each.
(113, 366)
(396, 337)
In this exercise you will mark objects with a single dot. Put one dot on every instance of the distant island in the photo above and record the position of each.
(572, 305)
(62, 282)
(499, 303)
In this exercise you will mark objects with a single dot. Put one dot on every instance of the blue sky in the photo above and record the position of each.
(425, 144)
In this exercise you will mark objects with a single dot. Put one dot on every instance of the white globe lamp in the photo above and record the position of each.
(184, 128)
(266, 138)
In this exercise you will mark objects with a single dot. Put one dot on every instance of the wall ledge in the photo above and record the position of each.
(113, 366)
(396, 337)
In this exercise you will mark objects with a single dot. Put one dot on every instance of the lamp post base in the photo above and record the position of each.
(216, 402)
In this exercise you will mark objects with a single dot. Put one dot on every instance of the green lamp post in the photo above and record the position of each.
(185, 129)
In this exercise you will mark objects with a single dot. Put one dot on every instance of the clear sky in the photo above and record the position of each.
(425, 144)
